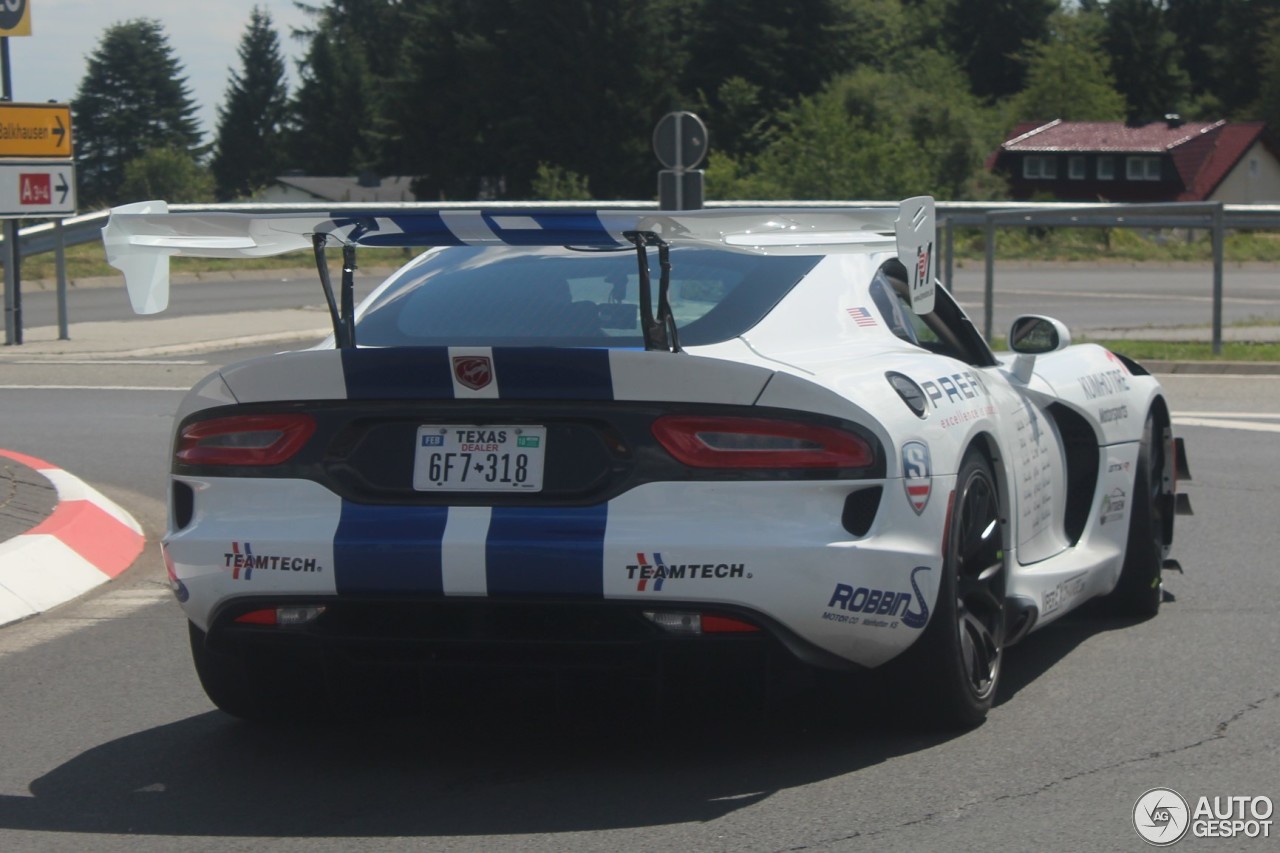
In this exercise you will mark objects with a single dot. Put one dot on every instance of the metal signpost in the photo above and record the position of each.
(37, 174)
(680, 141)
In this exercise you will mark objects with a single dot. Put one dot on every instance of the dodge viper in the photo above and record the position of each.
(594, 439)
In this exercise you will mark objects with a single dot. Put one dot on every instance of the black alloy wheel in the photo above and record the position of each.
(949, 677)
(1139, 592)
(978, 558)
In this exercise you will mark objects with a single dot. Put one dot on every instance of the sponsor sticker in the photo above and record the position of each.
(243, 562)
(650, 575)
(962, 396)
(878, 608)
(1105, 383)
(1063, 594)
(1113, 413)
(917, 474)
(1113, 505)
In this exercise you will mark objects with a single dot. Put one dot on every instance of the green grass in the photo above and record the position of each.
(1117, 244)
(88, 261)
(1141, 351)
(1193, 351)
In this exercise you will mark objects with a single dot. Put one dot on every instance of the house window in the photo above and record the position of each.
(1106, 168)
(1142, 168)
(1075, 168)
(1035, 166)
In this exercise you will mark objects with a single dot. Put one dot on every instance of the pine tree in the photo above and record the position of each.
(1145, 59)
(249, 152)
(988, 36)
(332, 109)
(132, 99)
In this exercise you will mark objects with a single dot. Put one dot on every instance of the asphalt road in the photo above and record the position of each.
(109, 744)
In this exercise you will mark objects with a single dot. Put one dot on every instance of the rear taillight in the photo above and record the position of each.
(738, 442)
(244, 439)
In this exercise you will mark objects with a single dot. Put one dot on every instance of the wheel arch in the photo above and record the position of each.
(985, 443)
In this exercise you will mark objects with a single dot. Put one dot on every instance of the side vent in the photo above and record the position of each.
(860, 510)
(184, 504)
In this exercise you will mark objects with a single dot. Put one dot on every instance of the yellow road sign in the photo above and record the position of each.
(35, 130)
(15, 18)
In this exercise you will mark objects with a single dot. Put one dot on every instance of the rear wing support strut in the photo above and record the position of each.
(659, 330)
(341, 313)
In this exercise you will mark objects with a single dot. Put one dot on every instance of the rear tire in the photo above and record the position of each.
(950, 675)
(224, 677)
(1138, 592)
(278, 688)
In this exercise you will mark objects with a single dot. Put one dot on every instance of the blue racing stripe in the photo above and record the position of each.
(398, 373)
(406, 229)
(389, 549)
(554, 551)
(555, 228)
(553, 374)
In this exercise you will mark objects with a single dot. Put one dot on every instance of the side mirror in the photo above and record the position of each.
(1033, 335)
(1037, 335)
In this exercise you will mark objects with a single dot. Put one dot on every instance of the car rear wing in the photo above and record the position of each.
(140, 238)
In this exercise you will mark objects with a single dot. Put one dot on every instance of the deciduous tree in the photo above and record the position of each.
(1068, 75)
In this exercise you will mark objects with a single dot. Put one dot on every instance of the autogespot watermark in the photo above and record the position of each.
(1162, 817)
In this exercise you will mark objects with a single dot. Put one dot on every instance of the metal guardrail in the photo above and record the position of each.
(1214, 217)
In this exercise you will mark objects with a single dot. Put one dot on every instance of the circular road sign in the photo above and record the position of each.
(11, 12)
(680, 140)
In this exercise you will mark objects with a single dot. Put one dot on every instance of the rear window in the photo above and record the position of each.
(463, 296)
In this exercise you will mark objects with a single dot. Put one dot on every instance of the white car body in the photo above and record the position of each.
(777, 552)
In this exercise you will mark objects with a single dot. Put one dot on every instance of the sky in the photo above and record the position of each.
(49, 64)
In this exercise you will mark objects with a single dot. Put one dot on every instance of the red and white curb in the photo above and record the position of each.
(86, 541)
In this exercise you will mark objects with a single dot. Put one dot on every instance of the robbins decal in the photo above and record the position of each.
(917, 475)
(659, 570)
(1112, 506)
(878, 608)
(242, 562)
(473, 371)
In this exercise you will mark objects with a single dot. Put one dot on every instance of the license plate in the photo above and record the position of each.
(461, 458)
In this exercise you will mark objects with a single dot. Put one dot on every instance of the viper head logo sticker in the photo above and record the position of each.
(917, 474)
(473, 371)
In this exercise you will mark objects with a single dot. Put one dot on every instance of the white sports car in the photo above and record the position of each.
(603, 439)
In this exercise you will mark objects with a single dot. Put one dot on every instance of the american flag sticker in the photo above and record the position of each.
(862, 316)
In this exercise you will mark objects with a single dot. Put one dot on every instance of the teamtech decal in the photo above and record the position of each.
(242, 562)
(658, 571)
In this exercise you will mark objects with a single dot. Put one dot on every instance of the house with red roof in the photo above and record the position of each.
(1170, 160)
